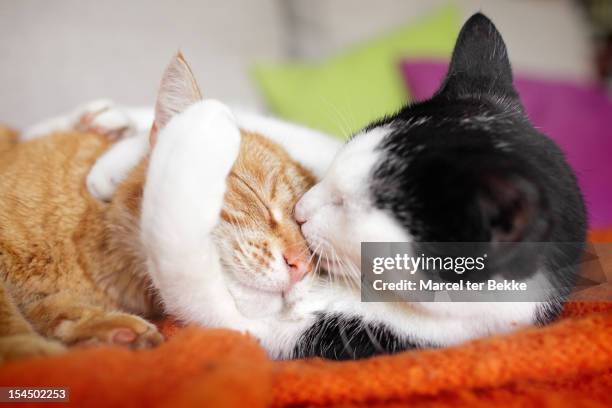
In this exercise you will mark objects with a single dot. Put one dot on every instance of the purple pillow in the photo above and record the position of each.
(577, 117)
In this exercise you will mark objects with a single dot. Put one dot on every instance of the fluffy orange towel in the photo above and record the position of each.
(568, 363)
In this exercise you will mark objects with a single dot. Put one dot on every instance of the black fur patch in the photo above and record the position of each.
(348, 338)
(468, 166)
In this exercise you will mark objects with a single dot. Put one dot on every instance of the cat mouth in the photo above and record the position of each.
(248, 284)
(267, 291)
(255, 302)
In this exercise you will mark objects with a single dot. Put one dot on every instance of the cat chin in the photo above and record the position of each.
(255, 303)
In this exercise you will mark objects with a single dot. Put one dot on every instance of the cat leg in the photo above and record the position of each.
(112, 168)
(17, 337)
(115, 165)
(183, 197)
(105, 118)
(100, 116)
(62, 317)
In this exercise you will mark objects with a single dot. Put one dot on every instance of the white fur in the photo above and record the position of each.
(338, 213)
(115, 165)
(313, 149)
(184, 194)
(338, 216)
(279, 335)
(105, 115)
(182, 199)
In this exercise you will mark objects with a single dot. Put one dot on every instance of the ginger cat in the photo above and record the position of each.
(77, 271)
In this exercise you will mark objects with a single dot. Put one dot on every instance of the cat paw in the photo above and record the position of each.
(210, 127)
(21, 346)
(204, 140)
(104, 118)
(114, 166)
(101, 184)
(113, 328)
(110, 170)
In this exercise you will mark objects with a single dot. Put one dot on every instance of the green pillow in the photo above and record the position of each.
(341, 95)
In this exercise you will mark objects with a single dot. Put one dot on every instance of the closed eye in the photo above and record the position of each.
(259, 198)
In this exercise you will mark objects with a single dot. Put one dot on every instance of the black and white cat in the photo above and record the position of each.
(464, 166)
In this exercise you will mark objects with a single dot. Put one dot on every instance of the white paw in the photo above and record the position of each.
(115, 165)
(214, 119)
(204, 139)
(186, 179)
(101, 184)
(105, 118)
(101, 116)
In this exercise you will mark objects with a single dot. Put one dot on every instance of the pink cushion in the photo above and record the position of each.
(577, 117)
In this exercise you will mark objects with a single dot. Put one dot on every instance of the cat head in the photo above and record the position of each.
(260, 244)
(445, 169)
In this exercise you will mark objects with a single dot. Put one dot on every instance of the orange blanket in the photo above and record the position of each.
(568, 363)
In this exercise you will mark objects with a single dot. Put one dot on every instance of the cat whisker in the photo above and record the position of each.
(344, 124)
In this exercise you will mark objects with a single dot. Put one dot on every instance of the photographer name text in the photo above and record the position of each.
(430, 285)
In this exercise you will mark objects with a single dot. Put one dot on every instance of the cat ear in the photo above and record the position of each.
(512, 208)
(514, 215)
(178, 90)
(480, 61)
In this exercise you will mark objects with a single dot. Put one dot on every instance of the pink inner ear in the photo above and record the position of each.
(177, 91)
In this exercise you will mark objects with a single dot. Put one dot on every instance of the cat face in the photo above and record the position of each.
(465, 165)
(338, 213)
(260, 243)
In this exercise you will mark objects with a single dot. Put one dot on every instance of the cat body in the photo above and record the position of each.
(465, 166)
(68, 264)
(321, 316)
(76, 270)
(460, 167)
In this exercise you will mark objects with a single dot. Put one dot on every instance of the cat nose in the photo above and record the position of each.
(298, 263)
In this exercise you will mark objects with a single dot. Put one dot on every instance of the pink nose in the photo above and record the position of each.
(298, 262)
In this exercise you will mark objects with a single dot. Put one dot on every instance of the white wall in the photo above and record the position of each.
(56, 54)
(547, 37)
